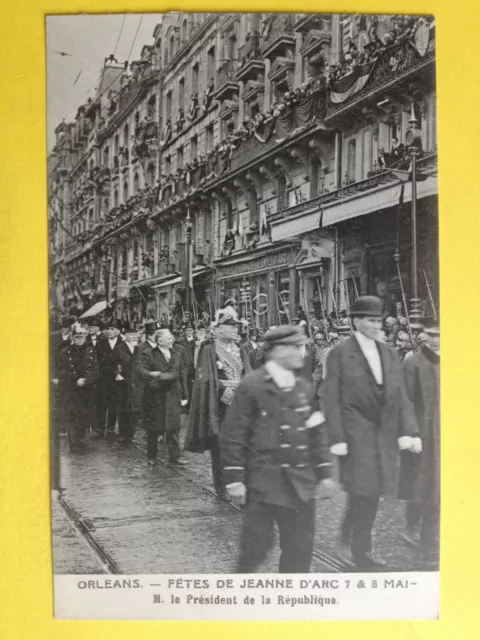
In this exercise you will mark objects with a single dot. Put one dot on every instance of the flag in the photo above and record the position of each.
(351, 83)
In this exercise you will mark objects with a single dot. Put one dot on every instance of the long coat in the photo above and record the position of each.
(108, 361)
(78, 402)
(368, 419)
(206, 411)
(138, 385)
(274, 442)
(161, 407)
(420, 473)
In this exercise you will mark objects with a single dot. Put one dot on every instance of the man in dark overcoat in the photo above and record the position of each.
(165, 392)
(275, 451)
(420, 466)
(77, 372)
(253, 345)
(138, 385)
(109, 353)
(188, 344)
(367, 412)
(221, 364)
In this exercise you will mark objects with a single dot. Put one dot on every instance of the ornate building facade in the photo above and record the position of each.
(280, 141)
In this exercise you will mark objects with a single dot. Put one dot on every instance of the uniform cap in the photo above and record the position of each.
(285, 334)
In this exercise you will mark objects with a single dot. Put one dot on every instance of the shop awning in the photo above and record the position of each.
(177, 279)
(97, 308)
(352, 207)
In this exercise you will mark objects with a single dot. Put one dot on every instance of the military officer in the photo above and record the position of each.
(275, 451)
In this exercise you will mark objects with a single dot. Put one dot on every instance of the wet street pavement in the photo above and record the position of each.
(119, 515)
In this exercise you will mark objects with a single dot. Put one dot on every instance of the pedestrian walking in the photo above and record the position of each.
(77, 373)
(420, 465)
(221, 364)
(366, 410)
(165, 392)
(187, 342)
(138, 385)
(275, 451)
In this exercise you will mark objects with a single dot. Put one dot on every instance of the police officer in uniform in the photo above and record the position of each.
(275, 452)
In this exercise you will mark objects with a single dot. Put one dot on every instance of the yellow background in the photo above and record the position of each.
(26, 597)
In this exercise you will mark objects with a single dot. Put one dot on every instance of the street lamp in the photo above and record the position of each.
(413, 140)
(188, 232)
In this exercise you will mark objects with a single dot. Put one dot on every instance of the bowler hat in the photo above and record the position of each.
(370, 306)
(285, 334)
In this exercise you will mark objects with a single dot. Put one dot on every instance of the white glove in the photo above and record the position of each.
(416, 445)
(405, 443)
(339, 449)
(237, 493)
(183, 402)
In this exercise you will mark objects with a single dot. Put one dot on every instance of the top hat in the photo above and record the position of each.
(151, 326)
(367, 306)
(113, 322)
(92, 321)
(344, 329)
(285, 334)
(66, 323)
(432, 326)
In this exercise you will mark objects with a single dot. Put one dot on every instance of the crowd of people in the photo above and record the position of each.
(275, 410)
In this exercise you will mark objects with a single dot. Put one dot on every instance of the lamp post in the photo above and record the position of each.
(413, 139)
(188, 232)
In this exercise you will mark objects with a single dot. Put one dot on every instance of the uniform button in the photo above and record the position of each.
(284, 427)
(302, 446)
(301, 428)
(284, 446)
(301, 466)
(263, 413)
(286, 465)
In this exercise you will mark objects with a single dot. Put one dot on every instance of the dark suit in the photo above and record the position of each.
(275, 443)
(161, 399)
(188, 347)
(252, 352)
(111, 402)
(369, 418)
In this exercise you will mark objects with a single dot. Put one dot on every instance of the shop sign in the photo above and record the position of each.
(269, 261)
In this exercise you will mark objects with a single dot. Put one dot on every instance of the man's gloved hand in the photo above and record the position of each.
(405, 443)
(237, 493)
(416, 445)
(339, 449)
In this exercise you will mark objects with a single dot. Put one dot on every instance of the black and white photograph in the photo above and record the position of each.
(244, 316)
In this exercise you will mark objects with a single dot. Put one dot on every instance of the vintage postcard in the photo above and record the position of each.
(244, 316)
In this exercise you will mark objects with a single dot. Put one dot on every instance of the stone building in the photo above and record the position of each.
(282, 138)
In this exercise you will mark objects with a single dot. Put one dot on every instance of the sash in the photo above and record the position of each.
(230, 360)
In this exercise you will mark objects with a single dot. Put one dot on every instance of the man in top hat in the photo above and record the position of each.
(275, 451)
(420, 464)
(221, 364)
(112, 355)
(365, 409)
(188, 344)
(95, 335)
(252, 346)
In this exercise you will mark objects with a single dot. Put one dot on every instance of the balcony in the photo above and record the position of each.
(400, 70)
(277, 36)
(376, 179)
(307, 21)
(250, 62)
(226, 80)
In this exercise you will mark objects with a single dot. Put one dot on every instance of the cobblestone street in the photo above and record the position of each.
(119, 515)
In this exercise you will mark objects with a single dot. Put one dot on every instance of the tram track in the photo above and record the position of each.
(87, 530)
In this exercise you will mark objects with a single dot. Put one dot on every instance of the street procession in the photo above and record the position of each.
(244, 300)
